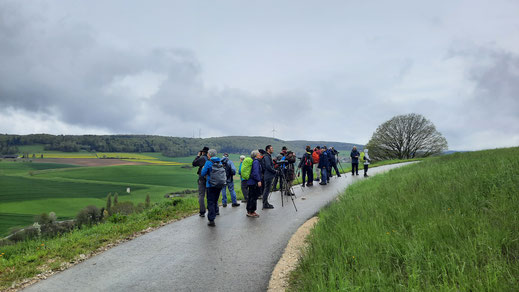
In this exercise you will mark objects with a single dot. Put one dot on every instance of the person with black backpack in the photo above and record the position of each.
(307, 165)
(216, 180)
(230, 171)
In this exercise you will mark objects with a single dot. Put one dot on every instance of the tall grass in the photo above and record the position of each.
(447, 223)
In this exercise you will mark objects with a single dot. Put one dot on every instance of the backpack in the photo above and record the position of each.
(228, 169)
(246, 168)
(218, 177)
(308, 160)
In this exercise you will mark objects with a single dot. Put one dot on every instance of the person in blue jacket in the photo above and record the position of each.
(355, 155)
(212, 192)
(323, 165)
(254, 184)
(230, 171)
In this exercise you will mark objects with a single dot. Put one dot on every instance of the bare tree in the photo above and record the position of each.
(404, 137)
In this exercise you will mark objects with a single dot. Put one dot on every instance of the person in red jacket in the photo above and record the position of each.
(315, 156)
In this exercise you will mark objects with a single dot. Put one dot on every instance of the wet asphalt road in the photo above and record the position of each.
(238, 254)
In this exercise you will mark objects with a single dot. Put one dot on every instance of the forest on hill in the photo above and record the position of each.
(168, 146)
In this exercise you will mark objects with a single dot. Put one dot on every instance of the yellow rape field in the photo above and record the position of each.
(155, 161)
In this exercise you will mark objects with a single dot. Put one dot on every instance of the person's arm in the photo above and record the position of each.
(268, 165)
(197, 160)
(233, 168)
(239, 168)
(301, 162)
(256, 171)
(207, 168)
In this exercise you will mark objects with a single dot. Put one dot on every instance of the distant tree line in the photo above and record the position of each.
(168, 146)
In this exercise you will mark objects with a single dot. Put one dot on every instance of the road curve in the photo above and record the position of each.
(238, 254)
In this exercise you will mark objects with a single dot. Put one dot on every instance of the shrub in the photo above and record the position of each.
(147, 201)
(109, 202)
(125, 208)
(117, 218)
(26, 233)
(116, 199)
(88, 216)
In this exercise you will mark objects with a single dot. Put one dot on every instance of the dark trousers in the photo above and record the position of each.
(201, 193)
(355, 168)
(252, 200)
(212, 202)
(366, 169)
(245, 189)
(266, 191)
(308, 171)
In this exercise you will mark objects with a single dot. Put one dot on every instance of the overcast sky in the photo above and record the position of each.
(314, 70)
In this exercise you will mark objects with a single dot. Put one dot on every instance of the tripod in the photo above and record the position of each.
(340, 165)
(286, 190)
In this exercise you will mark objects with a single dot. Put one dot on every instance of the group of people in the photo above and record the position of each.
(260, 174)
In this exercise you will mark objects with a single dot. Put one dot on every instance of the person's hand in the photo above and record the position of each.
(199, 154)
(259, 184)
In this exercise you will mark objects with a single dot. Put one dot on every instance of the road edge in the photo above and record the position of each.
(291, 255)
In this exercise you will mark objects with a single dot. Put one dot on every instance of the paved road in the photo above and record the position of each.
(238, 254)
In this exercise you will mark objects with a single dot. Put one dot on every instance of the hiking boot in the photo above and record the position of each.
(201, 214)
(235, 204)
(323, 184)
(366, 175)
(218, 213)
(244, 201)
(224, 205)
(211, 223)
(249, 214)
(269, 206)
(338, 175)
(256, 215)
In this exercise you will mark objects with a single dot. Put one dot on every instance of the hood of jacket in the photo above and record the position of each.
(216, 159)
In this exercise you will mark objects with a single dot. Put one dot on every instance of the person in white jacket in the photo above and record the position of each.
(366, 162)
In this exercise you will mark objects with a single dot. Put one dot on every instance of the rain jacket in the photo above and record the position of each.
(208, 166)
(255, 173)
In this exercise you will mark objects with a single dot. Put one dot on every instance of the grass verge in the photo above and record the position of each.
(448, 223)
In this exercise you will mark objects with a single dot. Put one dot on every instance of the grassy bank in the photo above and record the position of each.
(447, 223)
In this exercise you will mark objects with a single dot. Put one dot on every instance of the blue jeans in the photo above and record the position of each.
(324, 176)
(230, 185)
(212, 202)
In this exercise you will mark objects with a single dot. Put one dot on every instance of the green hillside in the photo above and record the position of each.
(167, 146)
(445, 224)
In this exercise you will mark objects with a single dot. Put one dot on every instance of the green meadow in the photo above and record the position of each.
(31, 188)
(449, 223)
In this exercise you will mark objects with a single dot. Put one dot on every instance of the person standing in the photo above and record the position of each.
(230, 171)
(307, 166)
(354, 161)
(280, 167)
(200, 161)
(254, 184)
(332, 155)
(367, 160)
(216, 178)
(268, 176)
(323, 165)
(244, 187)
(315, 156)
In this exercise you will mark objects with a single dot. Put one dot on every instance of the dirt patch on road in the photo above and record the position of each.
(293, 252)
(88, 161)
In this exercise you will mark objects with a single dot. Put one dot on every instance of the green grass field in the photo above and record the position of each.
(29, 189)
(446, 224)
